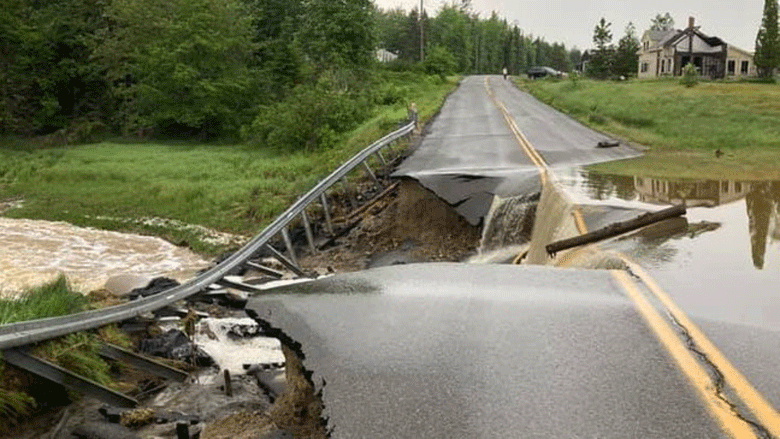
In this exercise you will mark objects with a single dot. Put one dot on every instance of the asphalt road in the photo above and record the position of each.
(448, 350)
(464, 351)
(469, 153)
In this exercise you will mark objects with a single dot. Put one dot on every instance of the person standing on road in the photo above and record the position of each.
(505, 72)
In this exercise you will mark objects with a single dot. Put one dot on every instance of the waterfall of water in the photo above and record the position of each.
(507, 226)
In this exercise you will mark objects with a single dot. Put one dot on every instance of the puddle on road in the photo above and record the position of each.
(732, 224)
(34, 252)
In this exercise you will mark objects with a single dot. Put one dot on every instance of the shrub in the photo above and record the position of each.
(311, 117)
(690, 76)
(439, 61)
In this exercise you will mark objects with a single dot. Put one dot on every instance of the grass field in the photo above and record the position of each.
(682, 127)
(230, 188)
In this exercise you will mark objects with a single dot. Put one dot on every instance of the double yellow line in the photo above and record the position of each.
(725, 414)
(731, 421)
(529, 151)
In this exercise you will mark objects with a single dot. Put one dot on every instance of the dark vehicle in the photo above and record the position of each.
(543, 72)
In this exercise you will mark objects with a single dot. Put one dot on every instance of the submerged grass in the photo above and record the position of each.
(682, 127)
(230, 188)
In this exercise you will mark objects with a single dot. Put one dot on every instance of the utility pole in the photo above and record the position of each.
(422, 33)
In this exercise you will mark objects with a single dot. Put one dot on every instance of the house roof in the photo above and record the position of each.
(658, 38)
(711, 41)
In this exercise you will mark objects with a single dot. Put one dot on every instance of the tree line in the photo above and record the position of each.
(274, 72)
(208, 68)
(458, 40)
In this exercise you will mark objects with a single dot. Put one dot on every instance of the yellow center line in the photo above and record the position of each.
(579, 220)
(691, 368)
(761, 408)
(529, 151)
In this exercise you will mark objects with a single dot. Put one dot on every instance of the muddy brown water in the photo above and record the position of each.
(34, 252)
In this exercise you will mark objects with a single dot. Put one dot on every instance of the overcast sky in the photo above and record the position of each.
(572, 21)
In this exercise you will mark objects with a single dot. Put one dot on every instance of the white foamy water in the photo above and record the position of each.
(232, 350)
(34, 252)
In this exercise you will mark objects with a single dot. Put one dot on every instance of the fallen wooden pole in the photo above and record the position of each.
(615, 229)
(373, 201)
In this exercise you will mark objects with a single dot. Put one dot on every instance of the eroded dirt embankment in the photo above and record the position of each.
(411, 224)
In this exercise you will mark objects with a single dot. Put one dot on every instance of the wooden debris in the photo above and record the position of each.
(615, 229)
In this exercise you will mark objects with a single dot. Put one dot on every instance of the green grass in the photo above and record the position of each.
(682, 127)
(75, 352)
(230, 188)
(49, 300)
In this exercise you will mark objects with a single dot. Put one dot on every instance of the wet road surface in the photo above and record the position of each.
(722, 268)
(461, 351)
(489, 351)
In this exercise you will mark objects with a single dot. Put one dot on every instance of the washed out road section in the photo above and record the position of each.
(450, 350)
(470, 154)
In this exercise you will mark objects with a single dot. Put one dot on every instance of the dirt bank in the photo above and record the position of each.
(410, 224)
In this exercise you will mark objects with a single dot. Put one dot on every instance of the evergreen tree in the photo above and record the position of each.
(626, 55)
(662, 22)
(767, 57)
(602, 58)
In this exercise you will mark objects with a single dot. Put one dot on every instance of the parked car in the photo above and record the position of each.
(543, 72)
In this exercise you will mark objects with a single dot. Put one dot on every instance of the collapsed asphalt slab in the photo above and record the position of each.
(452, 350)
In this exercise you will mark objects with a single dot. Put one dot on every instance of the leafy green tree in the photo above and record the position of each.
(191, 77)
(277, 59)
(338, 33)
(626, 55)
(450, 30)
(392, 32)
(602, 58)
(767, 56)
(662, 22)
(48, 75)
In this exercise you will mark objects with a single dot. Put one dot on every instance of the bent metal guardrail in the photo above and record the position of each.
(32, 331)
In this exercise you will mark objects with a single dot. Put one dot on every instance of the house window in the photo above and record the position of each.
(731, 65)
(744, 67)
(738, 187)
(645, 66)
(663, 64)
(724, 187)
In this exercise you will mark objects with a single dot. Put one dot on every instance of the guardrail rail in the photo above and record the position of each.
(32, 331)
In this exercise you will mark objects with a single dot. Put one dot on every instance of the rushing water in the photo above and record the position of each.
(34, 252)
(509, 222)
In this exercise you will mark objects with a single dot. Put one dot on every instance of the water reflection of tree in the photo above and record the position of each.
(761, 202)
(603, 186)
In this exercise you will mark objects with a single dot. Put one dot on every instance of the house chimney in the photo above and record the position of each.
(691, 22)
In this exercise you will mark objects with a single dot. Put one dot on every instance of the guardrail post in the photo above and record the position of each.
(381, 158)
(413, 115)
(288, 244)
(371, 174)
(350, 196)
(286, 262)
(309, 234)
(328, 220)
